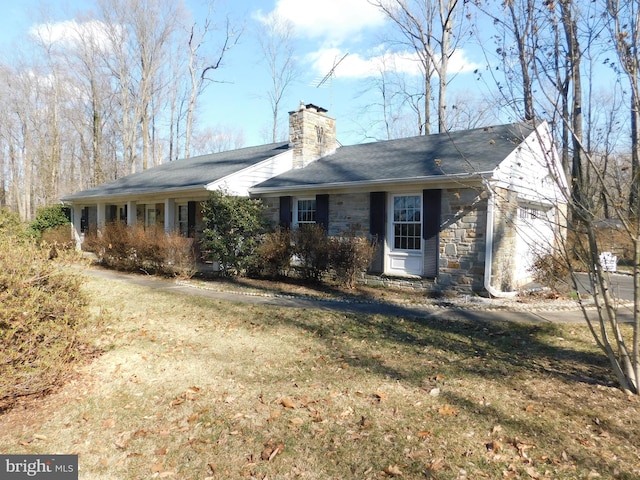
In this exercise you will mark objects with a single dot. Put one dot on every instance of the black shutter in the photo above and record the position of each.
(84, 219)
(191, 219)
(285, 212)
(431, 204)
(377, 211)
(322, 211)
(113, 213)
(377, 228)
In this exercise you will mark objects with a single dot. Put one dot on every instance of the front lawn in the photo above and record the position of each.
(191, 388)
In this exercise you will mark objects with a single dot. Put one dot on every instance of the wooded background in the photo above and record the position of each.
(121, 93)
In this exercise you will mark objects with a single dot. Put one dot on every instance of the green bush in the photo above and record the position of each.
(311, 249)
(135, 249)
(349, 256)
(233, 226)
(274, 253)
(11, 224)
(49, 217)
(42, 312)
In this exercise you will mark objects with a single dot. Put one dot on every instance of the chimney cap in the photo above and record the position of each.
(310, 106)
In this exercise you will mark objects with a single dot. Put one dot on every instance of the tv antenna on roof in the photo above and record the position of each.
(329, 77)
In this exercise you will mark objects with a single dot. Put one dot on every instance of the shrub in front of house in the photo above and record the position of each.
(274, 254)
(349, 256)
(308, 253)
(58, 237)
(43, 309)
(311, 251)
(48, 218)
(550, 269)
(233, 227)
(136, 249)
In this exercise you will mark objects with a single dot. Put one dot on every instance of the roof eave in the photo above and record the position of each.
(446, 180)
(115, 198)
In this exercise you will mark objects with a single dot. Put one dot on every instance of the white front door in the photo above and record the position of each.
(405, 249)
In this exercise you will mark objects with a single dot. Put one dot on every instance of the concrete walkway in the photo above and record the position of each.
(470, 311)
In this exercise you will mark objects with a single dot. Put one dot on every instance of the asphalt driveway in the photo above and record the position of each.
(534, 314)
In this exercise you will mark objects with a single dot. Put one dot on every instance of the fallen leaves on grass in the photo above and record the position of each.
(109, 423)
(435, 465)
(448, 410)
(494, 446)
(380, 397)
(190, 394)
(271, 449)
(287, 402)
(393, 471)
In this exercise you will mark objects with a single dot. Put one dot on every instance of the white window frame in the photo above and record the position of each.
(296, 211)
(416, 237)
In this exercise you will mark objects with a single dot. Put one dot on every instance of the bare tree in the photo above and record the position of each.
(19, 128)
(218, 139)
(276, 41)
(563, 42)
(624, 21)
(140, 33)
(428, 29)
(202, 65)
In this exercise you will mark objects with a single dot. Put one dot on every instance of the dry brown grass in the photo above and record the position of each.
(193, 388)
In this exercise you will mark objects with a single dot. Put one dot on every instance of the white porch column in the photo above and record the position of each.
(101, 215)
(132, 213)
(76, 226)
(169, 215)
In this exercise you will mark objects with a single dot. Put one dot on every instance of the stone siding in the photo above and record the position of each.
(505, 213)
(312, 133)
(462, 241)
(462, 237)
(347, 211)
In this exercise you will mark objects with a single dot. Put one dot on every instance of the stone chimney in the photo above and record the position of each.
(312, 133)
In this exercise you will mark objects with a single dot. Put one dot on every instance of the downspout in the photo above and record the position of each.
(488, 254)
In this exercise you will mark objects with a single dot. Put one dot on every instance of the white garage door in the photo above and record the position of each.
(535, 235)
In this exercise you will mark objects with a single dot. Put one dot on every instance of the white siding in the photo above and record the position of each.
(240, 182)
(533, 170)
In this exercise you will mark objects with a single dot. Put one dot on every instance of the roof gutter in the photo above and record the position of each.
(131, 195)
(451, 178)
(488, 254)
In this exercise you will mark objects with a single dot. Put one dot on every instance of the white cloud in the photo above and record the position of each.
(355, 65)
(332, 20)
(71, 33)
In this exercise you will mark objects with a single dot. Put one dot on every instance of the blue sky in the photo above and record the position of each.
(326, 30)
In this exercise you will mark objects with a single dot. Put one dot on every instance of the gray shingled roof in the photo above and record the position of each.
(477, 151)
(185, 174)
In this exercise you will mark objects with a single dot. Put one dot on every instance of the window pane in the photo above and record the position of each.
(407, 218)
(307, 211)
